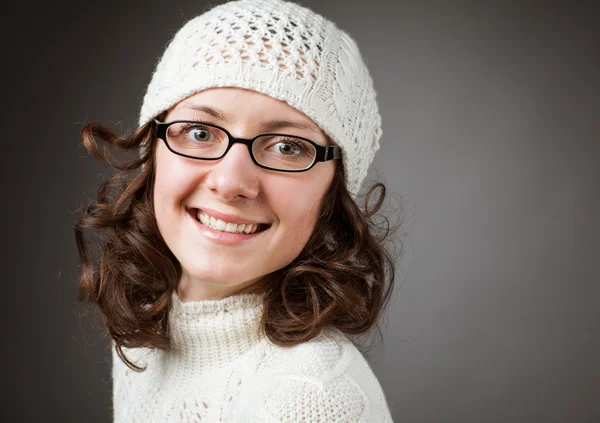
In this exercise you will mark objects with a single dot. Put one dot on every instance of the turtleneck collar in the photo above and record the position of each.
(209, 334)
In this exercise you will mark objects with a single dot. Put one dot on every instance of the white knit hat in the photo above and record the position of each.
(283, 50)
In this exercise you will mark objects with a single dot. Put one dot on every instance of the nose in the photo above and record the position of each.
(234, 176)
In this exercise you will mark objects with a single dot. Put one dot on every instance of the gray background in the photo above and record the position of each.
(490, 119)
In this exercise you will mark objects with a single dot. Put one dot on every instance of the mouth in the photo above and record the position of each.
(238, 227)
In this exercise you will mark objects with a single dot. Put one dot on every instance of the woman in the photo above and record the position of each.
(235, 262)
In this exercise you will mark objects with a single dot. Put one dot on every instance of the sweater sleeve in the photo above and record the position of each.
(295, 400)
(118, 391)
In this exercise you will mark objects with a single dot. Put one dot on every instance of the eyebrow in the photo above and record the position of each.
(271, 125)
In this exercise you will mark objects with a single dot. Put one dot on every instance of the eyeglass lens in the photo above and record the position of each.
(275, 151)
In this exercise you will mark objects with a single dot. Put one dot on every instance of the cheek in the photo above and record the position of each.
(173, 182)
(297, 206)
(164, 177)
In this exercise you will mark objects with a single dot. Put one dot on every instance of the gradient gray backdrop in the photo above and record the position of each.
(490, 120)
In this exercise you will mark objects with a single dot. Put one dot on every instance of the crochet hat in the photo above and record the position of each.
(283, 50)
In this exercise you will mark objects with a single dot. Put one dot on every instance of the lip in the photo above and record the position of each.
(224, 238)
(229, 218)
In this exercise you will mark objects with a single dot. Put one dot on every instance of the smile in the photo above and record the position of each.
(220, 225)
(229, 227)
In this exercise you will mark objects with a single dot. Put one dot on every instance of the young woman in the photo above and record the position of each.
(235, 263)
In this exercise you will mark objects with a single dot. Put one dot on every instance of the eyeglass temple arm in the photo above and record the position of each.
(330, 152)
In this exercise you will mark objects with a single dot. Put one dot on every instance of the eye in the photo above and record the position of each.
(290, 147)
(287, 148)
(186, 136)
(283, 152)
(200, 134)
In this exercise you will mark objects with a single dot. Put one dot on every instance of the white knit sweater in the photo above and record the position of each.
(220, 369)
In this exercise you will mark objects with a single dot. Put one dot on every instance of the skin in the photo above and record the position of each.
(289, 202)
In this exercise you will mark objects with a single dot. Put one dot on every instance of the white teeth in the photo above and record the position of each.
(203, 218)
(226, 226)
(221, 225)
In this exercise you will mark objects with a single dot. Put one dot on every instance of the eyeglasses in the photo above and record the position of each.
(285, 153)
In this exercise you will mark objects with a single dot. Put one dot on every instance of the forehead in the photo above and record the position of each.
(238, 107)
(241, 102)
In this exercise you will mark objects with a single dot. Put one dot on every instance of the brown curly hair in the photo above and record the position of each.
(345, 269)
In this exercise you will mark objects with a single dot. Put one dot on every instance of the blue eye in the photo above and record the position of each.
(287, 148)
(200, 134)
(196, 133)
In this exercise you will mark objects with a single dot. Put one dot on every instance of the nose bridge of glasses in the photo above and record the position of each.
(227, 138)
(236, 140)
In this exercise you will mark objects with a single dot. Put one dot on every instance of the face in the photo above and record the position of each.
(282, 206)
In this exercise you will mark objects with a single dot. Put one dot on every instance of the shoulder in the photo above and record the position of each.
(322, 358)
(147, 358)
(323, 380)
(291, 399)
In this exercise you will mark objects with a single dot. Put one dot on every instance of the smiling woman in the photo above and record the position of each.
(233, 190)
(236, 265)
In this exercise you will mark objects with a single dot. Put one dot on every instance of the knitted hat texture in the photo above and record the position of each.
(283, 50)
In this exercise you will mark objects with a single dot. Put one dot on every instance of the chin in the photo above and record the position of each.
(223, 274)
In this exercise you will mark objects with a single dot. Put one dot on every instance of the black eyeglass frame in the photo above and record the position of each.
(323, 153)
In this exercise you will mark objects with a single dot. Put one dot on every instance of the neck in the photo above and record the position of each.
(193, 289)
(209, 334)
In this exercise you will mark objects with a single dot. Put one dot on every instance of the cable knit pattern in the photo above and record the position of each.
(283, 50)
(221, 369)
